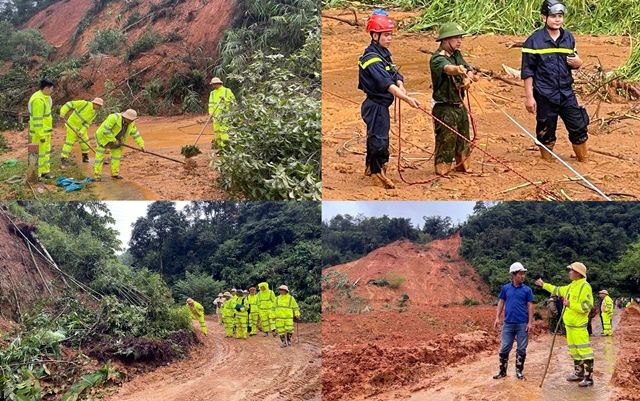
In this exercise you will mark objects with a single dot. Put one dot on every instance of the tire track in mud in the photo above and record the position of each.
(235, 370)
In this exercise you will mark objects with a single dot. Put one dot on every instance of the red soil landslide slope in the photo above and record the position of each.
(434, 273)
(626, 375)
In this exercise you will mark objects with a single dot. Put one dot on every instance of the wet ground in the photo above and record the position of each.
(235, 370)
(147, 177)
(344, 132)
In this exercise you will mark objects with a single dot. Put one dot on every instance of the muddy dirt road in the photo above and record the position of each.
(472, 380)
(146, 177)
(226, 369)
(344, 132)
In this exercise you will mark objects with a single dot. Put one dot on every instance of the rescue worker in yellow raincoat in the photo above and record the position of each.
(266, 304)
(242, 314)
(84, 112)
(578, 301)
(286, 311)
(197, 313)
(112, 134)
(254, 312)
(220, 100)
(228, 314)
(41, 125)
(606, 312)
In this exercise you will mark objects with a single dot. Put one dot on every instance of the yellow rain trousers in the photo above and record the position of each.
(607, 314)
(41, 128)
(110, 131)
(242, 317)
(81, 118)
(220, 102)
(266, 304)
(286, 309)
(228, 316)
(254, 313)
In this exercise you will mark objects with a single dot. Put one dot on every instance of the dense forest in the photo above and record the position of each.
(545, 237)
(211, 246)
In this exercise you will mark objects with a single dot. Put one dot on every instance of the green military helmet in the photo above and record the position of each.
(449, 30)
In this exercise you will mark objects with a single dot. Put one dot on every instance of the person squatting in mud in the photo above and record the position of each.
(381, 81)
(516, 300)
(244, 312)
(451, 76)
(548, 57)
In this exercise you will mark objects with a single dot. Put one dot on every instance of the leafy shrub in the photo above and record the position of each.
(395, 280)
(147, 41)
(470, 302)
(106, 41)
(199, 286)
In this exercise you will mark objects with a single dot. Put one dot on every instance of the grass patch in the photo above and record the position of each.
(12, 185)
(470, 302)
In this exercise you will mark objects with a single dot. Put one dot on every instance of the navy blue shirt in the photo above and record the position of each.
(516, 299)
(376, 73)
(546, 61)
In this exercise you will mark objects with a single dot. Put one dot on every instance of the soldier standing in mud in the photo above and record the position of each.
(516, 300)
(548, 59)
(380, 80)
(450, 77)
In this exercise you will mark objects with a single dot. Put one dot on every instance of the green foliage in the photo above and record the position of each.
(191, 103)
(4, 146)
(186, 87)
(470, 302)
(630, 70)
(402, 301)
(546, 237)
(190, 151)
(147, 41)
(21, 44)
(91, 380)
(18, 12)
(346, 238)
(395, 280)
(379, 282)
(627, 270)
(230, 244)
(199, 286)
(106, 41)
(521, 17)
(152, 95)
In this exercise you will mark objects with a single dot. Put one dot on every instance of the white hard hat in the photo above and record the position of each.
(220, 294)
(216, 80)
(578, 268)
(517, 267)
(98, 101)
(284, 287)
(605, 292)
(130, 114)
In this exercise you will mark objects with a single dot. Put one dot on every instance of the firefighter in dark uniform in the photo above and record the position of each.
(379, 79)
(548, 59)
(450, 77)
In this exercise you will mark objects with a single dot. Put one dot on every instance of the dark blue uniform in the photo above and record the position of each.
(546, 61)
(376, 73)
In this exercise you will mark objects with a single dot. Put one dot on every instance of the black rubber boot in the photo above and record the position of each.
(520, 358)
(578, 373)
(289, 335)
(85, 157)
(504, 361)
(284, 341)
(588, 376)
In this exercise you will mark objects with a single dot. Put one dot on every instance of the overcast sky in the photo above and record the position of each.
(126, 213)
(458, 211)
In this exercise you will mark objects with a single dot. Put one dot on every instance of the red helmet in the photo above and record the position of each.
(380, 23)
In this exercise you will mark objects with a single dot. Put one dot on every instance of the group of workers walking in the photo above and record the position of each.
(245, 312)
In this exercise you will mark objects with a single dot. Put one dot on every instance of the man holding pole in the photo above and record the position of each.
(112, 135)
(220, 100)
(516, 300)
(578, 302)
(82, 116)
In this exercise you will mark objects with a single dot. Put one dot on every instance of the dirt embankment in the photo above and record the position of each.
(25, 276)
(344, 132)
(626, 376)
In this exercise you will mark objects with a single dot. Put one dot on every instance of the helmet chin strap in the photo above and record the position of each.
(377, 42)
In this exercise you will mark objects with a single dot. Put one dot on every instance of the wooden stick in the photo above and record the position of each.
(553, 342)
(601, 152)
(526, 184)
(346, 21)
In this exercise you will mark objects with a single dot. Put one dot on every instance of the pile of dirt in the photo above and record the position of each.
(431, 274)
(370, 369)
(626, 376)
(25, 276)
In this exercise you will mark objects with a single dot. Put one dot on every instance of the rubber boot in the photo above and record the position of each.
(85, 157)
(581, 152)
(545, 154)
(289, 335)
(274, 333)
(442, 168)
(578, 373)
(379, 179)
(367, 171)
(520, 358)
(266, 334)
(284, 341)
(463, 163)
(504, 361)
(588, 376)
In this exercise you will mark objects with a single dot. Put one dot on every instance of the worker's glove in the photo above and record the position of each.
(238, 307)
(112, 145)
(461, 70)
